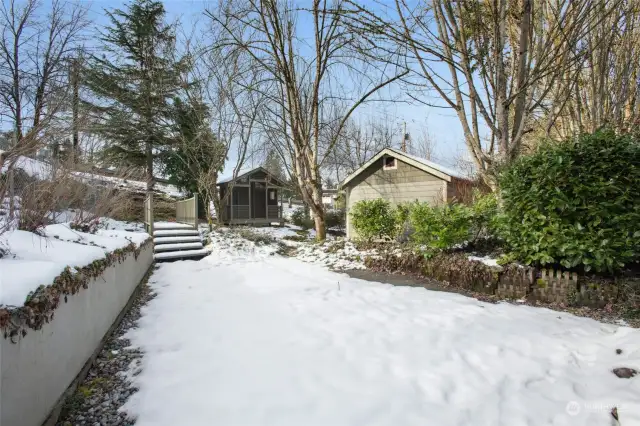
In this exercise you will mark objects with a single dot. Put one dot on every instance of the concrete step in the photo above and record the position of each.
(171, 225)
(177, 246)
(183, 254)
(175, 232)
(175, 240)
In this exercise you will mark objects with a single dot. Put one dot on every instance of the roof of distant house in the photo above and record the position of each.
(420, 163)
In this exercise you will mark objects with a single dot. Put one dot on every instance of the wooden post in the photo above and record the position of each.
(250, 197)
(195, 210)
(281, 209)
(149, 208)
(266, 200)
(231, 200)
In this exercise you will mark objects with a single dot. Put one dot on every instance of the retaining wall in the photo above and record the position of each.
(38, 368)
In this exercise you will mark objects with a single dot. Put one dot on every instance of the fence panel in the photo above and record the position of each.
(187, 211)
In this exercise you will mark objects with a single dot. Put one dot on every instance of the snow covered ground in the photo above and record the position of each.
(247, 337)
(34, 260)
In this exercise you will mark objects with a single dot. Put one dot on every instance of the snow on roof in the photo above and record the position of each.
(229, 177)
(443, 169)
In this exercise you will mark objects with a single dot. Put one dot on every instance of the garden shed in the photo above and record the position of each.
(399, 177)
(254, 197)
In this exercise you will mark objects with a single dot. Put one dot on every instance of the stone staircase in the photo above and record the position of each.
(175, 241)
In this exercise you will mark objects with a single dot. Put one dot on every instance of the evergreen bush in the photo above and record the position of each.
(440, 227)
(373, 219)
(576, 203)
(300, 218)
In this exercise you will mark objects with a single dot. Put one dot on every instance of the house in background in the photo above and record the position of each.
(398, 177)
(329, 197)
(253, 198)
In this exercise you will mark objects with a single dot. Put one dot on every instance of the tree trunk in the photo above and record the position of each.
(149, 155)
(318, 214)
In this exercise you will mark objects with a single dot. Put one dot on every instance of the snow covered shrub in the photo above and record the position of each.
(299, 218)
(576, 203)
(373, 219)
(441, 227)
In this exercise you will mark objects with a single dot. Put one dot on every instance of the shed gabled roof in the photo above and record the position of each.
(435, 169)
(246, 172)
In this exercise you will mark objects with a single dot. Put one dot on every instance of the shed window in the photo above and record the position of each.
(389, 163)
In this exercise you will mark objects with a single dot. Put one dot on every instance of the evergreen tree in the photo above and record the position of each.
(198, 152)
(197, 157)
(133, 84)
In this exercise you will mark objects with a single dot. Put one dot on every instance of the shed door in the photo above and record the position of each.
(259, 200)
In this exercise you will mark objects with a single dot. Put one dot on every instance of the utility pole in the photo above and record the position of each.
(405, 137)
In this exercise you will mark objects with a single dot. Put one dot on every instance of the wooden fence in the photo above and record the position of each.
(187, 211)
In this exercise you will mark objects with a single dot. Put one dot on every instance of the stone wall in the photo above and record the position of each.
(507, 282)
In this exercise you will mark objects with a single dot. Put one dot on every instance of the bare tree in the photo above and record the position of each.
(298, 78)
(492, 62)
(35, 48)
(227, 78)
(358, 142)
(604, 88)
(423, 144)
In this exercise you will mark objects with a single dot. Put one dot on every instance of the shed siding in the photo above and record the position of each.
(404, 184)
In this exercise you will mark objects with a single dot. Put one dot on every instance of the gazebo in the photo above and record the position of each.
(253, 198)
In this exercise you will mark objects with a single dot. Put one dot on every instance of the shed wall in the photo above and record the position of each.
(404, 184)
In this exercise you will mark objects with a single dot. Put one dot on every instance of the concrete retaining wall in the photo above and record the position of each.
(37, 369)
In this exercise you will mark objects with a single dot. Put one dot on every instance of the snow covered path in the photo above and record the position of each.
(244, 338)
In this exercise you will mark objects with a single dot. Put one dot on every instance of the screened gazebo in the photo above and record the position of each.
(253, 198)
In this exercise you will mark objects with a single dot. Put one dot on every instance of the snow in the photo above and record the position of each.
(168, 189)
(335, 255)
(37, 260)
(246, 337)
(171, 225)
(32, 167)
(287, 211)
(42, 170)
(275, 232)
(228, 177)
(489, 261)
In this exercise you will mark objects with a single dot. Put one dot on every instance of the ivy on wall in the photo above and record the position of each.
(40, 305)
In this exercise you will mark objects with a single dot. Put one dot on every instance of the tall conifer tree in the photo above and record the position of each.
(133, 83)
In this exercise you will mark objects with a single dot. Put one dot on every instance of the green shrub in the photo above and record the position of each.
(373, 219)
(485, 217)
(441, 227)
(403, 224)
(334, 219)
(576, 203)
(299, 218)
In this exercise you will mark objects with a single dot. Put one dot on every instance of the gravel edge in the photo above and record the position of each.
(106, 388)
